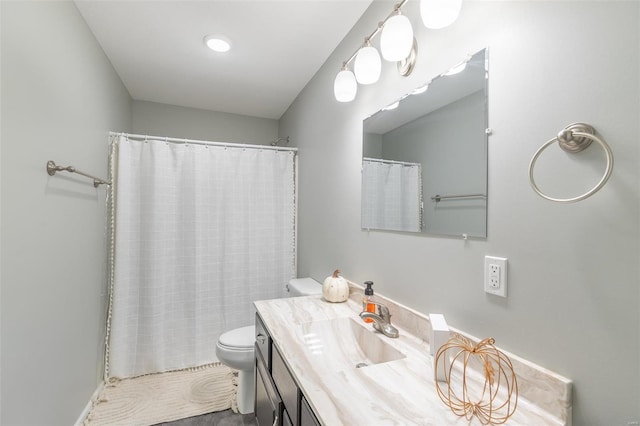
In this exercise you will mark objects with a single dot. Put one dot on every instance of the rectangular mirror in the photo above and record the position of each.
(424, 165)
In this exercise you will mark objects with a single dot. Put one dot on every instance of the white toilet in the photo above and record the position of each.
(235, 348)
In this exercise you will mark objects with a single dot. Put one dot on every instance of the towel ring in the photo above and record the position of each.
(574, 138)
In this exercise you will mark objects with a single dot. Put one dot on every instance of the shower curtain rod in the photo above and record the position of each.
(198, 142)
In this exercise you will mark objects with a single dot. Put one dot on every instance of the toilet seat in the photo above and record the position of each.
(239, 338)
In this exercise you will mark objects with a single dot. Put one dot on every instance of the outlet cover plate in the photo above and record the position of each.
(495, 275)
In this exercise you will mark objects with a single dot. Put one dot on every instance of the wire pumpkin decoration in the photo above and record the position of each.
(492, 402)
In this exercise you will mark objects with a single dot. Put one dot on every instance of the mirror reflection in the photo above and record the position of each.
(424, 166)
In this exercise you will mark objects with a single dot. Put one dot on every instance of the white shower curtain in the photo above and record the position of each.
(201, 232)
(391, 195)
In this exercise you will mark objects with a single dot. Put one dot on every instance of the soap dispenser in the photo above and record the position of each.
(367, 303)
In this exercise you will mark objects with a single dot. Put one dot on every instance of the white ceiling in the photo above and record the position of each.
(157, 48)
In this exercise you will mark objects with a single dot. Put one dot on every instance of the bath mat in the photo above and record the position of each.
(163, 397)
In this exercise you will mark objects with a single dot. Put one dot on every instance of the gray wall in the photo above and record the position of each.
(150, 118)
(60, 97)
(573, 303)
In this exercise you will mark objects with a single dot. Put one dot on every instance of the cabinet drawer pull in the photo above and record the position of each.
(261, 338)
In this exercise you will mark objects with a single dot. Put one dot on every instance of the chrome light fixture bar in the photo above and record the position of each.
(367, 67)
(397, 44)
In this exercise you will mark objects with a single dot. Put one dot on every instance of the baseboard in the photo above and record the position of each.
(87, 408)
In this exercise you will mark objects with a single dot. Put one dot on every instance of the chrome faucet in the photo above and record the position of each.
(381, 320)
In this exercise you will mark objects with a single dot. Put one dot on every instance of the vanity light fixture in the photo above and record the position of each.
(218, 43)
(345, 85)
(368, 64)
(396, 39)
(438, 14)
(397, 44)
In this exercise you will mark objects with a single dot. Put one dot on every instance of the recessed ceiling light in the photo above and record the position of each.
(217, 43)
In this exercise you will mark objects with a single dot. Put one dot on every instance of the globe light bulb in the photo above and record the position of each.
(368, 65)
(438, 14)
(345, 86)
(396, 39)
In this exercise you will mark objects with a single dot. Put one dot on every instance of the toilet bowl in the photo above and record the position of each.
(235, 347)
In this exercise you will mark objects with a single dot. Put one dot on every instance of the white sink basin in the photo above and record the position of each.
(347, 343)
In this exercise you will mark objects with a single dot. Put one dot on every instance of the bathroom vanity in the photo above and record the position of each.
(318, 363)
(279, 401)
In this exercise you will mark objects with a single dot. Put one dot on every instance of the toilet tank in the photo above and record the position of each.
(303, 287)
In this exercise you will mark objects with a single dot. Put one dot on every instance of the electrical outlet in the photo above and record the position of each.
(494, 282)
(495, 275)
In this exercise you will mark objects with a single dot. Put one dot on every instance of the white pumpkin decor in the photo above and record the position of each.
(335, 288)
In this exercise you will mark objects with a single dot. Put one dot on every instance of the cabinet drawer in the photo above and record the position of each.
(286, 385)
(285, 419)
(268, 405)
(307, 418)
(263, 342)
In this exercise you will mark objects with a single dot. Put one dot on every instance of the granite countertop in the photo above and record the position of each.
(399, 392)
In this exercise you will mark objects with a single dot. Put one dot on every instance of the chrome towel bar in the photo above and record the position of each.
(52, 168)
(438, 198)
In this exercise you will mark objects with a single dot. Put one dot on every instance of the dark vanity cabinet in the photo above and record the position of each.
(268, 405)
(286, 386)
(279, 401)
(307, 418)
